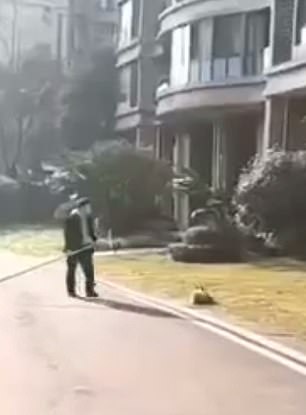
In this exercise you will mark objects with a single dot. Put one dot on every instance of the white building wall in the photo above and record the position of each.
(180, 56)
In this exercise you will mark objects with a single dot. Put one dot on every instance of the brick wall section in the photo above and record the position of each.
(283, 33)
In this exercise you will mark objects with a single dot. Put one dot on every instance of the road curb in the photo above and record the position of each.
(244, 335)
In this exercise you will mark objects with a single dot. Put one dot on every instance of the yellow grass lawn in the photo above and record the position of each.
(36, 241)
(271, 293)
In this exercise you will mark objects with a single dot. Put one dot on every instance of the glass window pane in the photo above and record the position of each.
(301, 21)
(257, 31)
(227, 36)
(136, 18)
(219, 69)
(206, 71)
(126, 23)
(134, 85)
(234, 67)
(124, 83)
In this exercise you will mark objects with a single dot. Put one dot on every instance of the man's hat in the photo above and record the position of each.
(83, 201)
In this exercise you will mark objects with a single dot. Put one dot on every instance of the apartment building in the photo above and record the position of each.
(285, 92)
(138, 74)
(229, 79)
(93, 24)
(211, 97)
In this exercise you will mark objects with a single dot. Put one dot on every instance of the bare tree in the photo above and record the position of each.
(29, 113)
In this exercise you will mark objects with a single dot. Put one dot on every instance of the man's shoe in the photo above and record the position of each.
(72, 294)
(92, 294)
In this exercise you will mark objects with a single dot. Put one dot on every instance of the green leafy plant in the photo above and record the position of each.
(270, 200)
(124, 184)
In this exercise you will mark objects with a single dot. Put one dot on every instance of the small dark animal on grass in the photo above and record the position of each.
(201, 297)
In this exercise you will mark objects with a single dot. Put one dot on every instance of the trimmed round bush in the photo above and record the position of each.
(200, 254)
(202, 235)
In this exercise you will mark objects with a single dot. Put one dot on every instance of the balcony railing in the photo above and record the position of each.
(221, 70)
(232, 67)
(170, 3)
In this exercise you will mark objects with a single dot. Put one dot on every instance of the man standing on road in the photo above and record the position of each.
(79, 235)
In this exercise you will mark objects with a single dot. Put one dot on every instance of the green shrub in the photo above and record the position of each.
(270, 200)
(24, 202)
(10, 196)
(124, 185)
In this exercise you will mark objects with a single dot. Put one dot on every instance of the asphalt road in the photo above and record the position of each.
(116, 357)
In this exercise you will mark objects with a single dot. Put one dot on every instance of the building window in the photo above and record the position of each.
(205, 49)
(257, 39)
(124, 84)
(134, 85)
(128, 82)
(194, 53)
(129, 21)
(227, 47)
(126, 12)
(136, 18)
(219, 49)
(301, 22)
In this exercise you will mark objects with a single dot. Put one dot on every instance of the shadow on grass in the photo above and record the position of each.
(129, 307)
(280, 264)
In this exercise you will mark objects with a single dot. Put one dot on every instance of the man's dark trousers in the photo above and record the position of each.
(85, 259)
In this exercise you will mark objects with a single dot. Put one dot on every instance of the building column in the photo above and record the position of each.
(219, 157)
(260, 137)
(164, 151)
(158, 143)
(275, 132)
(145, 138)
(181, 153)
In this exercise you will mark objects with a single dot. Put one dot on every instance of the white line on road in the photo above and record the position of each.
(253, 347)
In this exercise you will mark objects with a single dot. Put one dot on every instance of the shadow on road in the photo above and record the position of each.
(129, 307)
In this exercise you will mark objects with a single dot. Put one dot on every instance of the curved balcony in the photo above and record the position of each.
(128, 52)
(211, 97)
(288, 77)
(129, 118)
(188, 11)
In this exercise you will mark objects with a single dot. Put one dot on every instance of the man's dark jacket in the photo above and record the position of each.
(73, 232)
